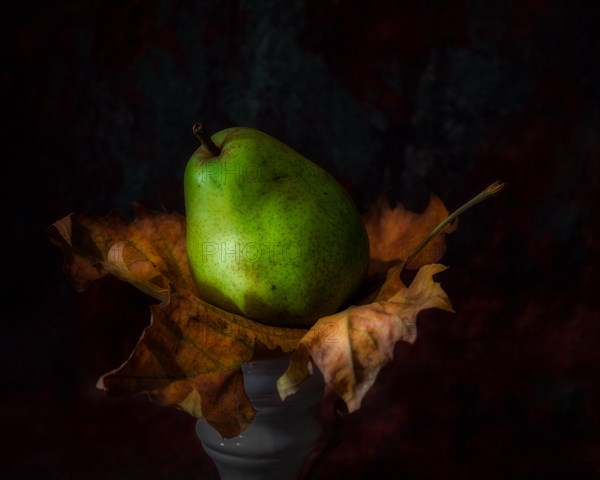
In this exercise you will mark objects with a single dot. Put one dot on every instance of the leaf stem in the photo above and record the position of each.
(201, 134)
(490, 191)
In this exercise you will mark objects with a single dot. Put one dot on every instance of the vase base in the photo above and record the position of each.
(282, 434)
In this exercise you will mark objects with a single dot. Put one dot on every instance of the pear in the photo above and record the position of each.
(270, 234)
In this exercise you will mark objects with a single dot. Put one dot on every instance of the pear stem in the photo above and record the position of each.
(493, 189)
(201, 134)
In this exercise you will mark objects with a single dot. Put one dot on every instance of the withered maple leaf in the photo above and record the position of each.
(360, 340)
(394, 233)
(190, 355)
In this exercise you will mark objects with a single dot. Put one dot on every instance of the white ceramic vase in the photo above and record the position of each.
(282, 434)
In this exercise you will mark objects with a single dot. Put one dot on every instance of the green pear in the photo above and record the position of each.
(270, 234)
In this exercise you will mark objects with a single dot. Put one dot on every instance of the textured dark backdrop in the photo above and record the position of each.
(408, 96)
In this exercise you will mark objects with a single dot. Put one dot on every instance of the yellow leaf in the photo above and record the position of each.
(359, 341)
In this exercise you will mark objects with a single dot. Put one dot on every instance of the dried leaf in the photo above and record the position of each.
(351, 347)
(191, 353)
(395, 233)
(148, 252)
(190, 357)
(79, 265)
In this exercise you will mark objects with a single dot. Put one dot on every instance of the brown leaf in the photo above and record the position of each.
(191, 353)
(79, 265)
(395, 233)
(148, 252)
(350, 347)
(190, 357)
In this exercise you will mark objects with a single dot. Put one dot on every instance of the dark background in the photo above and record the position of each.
(406, 97)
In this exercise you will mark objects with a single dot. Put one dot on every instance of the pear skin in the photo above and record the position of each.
(270, 234)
